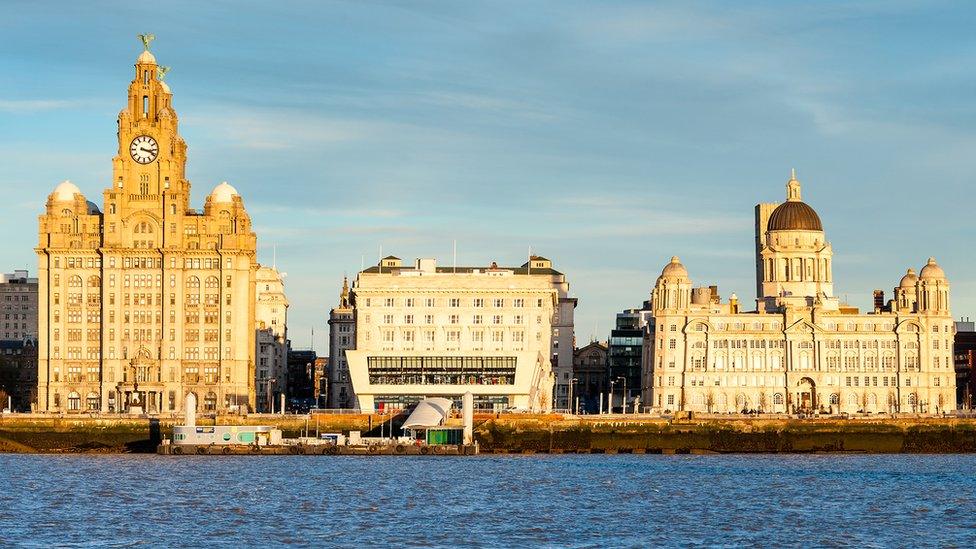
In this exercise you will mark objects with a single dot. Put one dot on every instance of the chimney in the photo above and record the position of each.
(879, 300)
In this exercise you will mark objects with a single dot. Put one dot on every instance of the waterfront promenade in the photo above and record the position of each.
(530, 433)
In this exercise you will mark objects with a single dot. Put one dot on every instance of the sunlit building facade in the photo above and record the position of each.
(145, 299)
(801, 349)
(424, 331)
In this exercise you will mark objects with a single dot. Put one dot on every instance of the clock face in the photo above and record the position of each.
(144, 149)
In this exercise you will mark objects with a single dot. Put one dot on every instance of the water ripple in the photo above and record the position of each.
(488, 501)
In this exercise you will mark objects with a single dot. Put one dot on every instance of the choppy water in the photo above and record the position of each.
(501, 501)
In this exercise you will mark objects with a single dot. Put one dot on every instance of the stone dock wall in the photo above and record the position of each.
(601, 435)
(530, 433)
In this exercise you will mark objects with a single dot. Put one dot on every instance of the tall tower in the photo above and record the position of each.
(796, 256)
(342, 336)
(150, 300)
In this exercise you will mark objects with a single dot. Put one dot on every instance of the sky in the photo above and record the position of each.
(606, 136)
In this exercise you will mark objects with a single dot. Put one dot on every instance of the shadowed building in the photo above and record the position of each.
(590, 371)
(964, 355)
(342, 337)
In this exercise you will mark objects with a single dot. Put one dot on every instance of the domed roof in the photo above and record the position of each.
(794, 215)
(931, 270)
(66, 191)
(93, 208)
(674, 268)
(909, 280)
(224, 192)
(146, 57)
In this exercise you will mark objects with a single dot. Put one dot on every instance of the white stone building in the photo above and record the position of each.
(271, 338)
(800, 349)
(424, 331)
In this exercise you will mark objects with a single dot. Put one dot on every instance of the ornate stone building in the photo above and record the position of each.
(146, 299)
(800, 349)
(342, 336)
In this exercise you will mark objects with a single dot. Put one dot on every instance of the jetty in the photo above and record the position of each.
(426, 433)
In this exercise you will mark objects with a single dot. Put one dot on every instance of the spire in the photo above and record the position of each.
(793, 187)
(344, 296)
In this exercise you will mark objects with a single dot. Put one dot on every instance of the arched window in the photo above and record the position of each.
(852, 399)
(835, 399)
(192, 282)
(74, 282)
(94, 403)
(210, 402)
(212, 282)
(778, 399)
(741, 402)
(74, 402)
(94, 282)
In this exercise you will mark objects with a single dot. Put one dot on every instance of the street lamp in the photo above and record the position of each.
(623, 396)
(610, 397)
(270, 396)
(572, 383)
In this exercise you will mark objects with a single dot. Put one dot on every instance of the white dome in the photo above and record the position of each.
(909, 280)
(66, 191)
(931, 271)
(224, 192)
(146, 57)
(675, 268)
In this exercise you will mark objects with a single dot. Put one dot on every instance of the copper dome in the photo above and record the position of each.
(794, 215)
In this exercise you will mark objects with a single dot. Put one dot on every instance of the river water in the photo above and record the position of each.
(489, 501)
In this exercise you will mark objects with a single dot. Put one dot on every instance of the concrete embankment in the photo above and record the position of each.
(521, 433)
(23, 433)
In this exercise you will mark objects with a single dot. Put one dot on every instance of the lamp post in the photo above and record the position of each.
(610, 397)
(572, 384)
(270, 396)
(623, 396)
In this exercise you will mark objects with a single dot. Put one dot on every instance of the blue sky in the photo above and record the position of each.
(607, 136)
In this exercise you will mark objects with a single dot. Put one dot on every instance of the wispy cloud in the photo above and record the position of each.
(28, 106)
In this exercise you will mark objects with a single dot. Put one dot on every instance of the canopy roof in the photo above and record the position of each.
(431, 412)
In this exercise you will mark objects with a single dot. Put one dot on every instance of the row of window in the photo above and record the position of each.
(777, 381)
(832, 326)
(453, 319)
(142, 263)
(498, 302)
(94, 353)
(94, 316)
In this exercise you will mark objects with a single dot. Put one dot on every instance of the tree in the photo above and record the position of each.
(710, 401)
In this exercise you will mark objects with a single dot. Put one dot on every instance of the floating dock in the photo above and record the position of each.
(169, 449)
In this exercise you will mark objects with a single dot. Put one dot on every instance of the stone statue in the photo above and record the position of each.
(146, 39)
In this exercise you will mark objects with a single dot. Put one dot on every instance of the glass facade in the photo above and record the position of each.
(441, 370)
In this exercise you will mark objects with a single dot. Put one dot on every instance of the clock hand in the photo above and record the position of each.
(145, 150)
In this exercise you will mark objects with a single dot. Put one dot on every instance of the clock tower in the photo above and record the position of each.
(147, 300)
